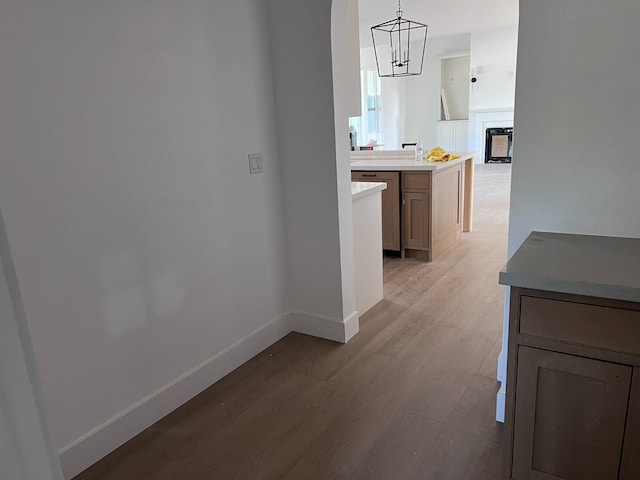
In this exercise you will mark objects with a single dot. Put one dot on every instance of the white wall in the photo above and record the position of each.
(491, 97)
(455, 82)
(150, 261)
(26, 451)
(577, 100)
(346, 45)
(393, 104)
(345, 68)
(423, 92)
(493, 62)
(575, 165)
(314, 180)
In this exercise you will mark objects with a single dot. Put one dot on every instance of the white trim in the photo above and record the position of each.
(502, 367)
(331, 329)
(351, 326)
(94, 445)
(500, 405)
(492, 110)
(445, 104)
(502, 359)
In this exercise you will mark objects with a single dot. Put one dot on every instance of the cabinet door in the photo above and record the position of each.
(390, 205)
(391, 212)
(445, 135)
(416, 220)
(453, 135)
(570, 415)
(447, 205)
(630, 468)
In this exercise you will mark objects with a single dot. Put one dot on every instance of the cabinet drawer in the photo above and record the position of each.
(370, 176)
(591, 325)
(420, 181)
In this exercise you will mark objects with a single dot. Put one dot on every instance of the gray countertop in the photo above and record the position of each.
(607, 267)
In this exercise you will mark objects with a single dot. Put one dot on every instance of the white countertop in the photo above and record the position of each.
(606, 267)
(399, 160)
(363, 189)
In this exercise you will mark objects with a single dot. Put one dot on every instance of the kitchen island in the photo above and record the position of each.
(426, 205)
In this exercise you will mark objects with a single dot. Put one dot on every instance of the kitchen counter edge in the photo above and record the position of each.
(407, 164)
(589, 265)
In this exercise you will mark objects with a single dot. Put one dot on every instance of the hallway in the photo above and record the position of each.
(412, 396)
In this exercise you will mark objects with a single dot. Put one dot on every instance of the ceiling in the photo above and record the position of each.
(444, 17)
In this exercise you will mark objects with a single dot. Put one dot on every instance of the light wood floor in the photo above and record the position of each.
(412, 396)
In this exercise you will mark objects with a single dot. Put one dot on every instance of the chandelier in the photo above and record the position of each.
(392, 42)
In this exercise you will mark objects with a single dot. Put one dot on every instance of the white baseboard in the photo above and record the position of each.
(500, 405)
(324, 327)
(501, 372)
(105, 438)
(351, 326)
(94, 445)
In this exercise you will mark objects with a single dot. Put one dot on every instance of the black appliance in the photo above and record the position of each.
(498, 145)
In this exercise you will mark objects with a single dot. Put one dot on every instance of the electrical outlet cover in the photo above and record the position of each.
(255, 163)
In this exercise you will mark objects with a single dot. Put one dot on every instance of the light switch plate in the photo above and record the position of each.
(255, 163)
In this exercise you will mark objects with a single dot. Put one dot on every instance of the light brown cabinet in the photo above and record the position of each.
(416, 220)
(432, 211)
(416, 214)
(421, 210)
(573, 389)
(447, 207)
(390, 205)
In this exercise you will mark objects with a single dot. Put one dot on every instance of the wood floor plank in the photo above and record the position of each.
(399, 451)
(131, 462)
(311, 356)
(489, 366)
(304, 470)
(266, 439)
(372, 390)
(466, 448)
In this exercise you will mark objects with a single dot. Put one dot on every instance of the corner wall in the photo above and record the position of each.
(314, 179)
(423, 92)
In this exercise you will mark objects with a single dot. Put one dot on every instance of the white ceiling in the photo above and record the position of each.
(444, 17)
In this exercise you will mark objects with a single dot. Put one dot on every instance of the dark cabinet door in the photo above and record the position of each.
(570, 415)
(391, 212)
(630, 468)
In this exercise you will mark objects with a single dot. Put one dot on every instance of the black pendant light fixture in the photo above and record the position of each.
(392, 45)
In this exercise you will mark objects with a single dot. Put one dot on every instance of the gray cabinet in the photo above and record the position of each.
(573, 401)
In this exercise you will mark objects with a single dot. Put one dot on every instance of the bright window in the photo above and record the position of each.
(368, 125)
